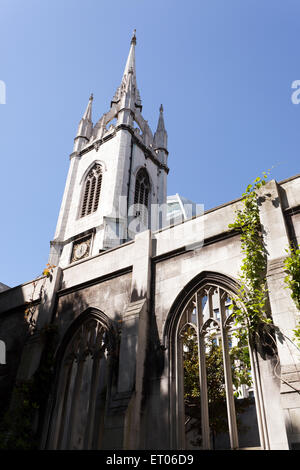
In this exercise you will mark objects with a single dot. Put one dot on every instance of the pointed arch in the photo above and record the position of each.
(87, 170)
(82, 382)
(195, 284)
(219, 392)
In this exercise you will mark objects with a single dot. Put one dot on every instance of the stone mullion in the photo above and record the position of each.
(74, 408)
(210, 304)
(61, 415)
(202, 376)
(228, 377)
(60, 412)
(180, 393)
(88, 439)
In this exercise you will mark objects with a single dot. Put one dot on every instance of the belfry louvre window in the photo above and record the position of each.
(217, 404)
(92, 189)
(141, 195)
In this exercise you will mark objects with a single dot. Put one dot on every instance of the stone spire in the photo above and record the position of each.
(128, 90)
(130, 64)
(85, 127)
(160, 136)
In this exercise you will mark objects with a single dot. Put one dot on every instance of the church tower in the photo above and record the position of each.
(116, 184)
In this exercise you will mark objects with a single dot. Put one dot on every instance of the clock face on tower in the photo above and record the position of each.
(81, 249)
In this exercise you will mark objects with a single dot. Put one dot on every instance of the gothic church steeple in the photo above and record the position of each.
(128, 91)
(109, 165)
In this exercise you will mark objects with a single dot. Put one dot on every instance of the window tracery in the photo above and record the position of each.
(215, 386)
(82, 387)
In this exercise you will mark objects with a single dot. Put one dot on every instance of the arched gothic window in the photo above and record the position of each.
(141, 195)
(92, 189)
(216, 397)
(77, 418)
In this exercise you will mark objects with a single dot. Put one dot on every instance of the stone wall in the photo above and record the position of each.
(138, 286)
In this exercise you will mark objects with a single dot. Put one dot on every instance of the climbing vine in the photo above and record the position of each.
(31, 305)
(251, 306)
(292, 280)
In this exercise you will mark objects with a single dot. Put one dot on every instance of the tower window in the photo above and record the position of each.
(92, 189)
(141, 195)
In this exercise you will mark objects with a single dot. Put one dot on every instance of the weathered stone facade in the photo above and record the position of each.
(116, 381)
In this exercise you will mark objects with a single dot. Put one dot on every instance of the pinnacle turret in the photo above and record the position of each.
(88, 112)
(160, 136)
(85, 127)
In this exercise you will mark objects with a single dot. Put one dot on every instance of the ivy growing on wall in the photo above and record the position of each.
(251, 306)
(292, 280)
(31, 305)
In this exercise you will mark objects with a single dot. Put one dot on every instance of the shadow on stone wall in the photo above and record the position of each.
(27, 377)
(16, 331)
(71, 311)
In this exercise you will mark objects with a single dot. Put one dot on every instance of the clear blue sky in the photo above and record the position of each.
(223, 70)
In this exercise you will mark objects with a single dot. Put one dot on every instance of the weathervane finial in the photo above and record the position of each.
(133, 39)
